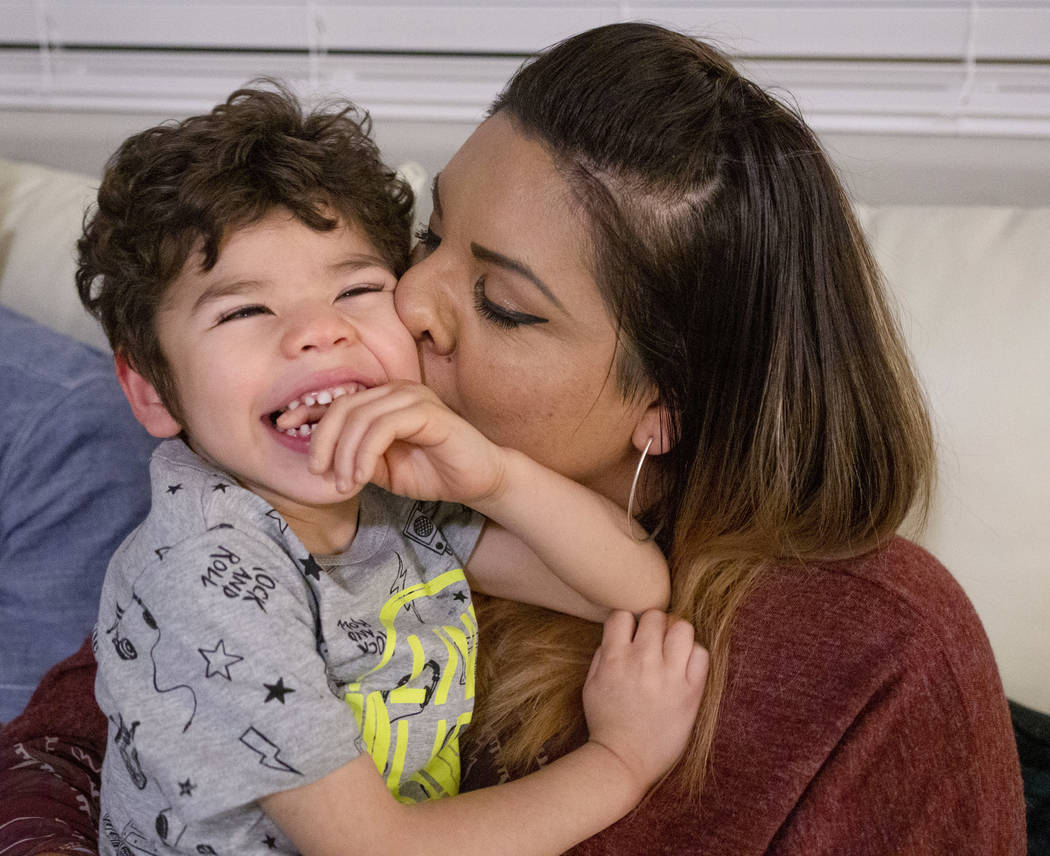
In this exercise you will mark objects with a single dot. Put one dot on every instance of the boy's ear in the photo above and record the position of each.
(145, 403)
(655, 424)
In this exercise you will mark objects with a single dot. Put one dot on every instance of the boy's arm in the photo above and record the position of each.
(561, 545)
(641, 698)
(555, 543)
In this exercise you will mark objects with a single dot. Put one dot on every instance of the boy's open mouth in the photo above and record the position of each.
(299, 417)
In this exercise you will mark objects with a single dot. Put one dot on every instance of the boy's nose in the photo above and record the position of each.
(317, 331)
(426, 309)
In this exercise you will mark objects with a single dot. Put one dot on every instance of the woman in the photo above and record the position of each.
(642, 263)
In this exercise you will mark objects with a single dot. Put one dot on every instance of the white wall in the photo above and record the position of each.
(878, 168)
(937, 101)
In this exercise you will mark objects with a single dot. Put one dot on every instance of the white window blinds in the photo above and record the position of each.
(928, 66)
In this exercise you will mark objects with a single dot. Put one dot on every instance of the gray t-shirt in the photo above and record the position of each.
(232, 664)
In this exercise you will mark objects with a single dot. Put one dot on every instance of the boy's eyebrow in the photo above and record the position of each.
(359, 262)
(492, 257)
(218, 290)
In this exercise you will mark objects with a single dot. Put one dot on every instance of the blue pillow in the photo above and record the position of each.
(74, 479)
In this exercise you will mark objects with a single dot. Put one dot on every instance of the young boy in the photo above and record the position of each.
(286, 652)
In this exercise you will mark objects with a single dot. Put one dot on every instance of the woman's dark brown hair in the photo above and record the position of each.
(729, 256)
(172, 193)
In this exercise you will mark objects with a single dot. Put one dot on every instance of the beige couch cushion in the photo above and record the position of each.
(973, 286)
(40, 217)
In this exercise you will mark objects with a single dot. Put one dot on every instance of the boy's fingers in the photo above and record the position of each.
(619, 628)
(381, 434)
(652, 626)
(678, 641)
(696, 668)
(595, 660)
(337, 439)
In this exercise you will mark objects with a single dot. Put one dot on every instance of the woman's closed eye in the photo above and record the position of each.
(501, 316)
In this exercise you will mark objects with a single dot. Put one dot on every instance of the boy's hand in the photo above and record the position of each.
(643, 691)
(401, 437)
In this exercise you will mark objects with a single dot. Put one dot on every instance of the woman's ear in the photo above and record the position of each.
(655, 424)
(144, 400)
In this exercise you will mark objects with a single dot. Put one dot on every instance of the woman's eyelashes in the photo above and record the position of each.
(428, 239)
(501, 316)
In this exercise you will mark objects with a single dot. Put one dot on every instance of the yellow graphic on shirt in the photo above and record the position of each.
(386, 736)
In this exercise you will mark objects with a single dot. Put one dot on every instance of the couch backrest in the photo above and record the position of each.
(973, 288)
(41, 210)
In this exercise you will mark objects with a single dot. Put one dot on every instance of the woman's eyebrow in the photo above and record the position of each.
(492, 257)
(483, 254)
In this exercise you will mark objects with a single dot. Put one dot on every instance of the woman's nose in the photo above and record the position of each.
(317, 330)
(426, 308)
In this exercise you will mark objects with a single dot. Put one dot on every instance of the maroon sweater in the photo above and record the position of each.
(864, 715)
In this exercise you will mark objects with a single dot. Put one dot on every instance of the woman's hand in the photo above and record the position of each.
(401, 437)
(643, 691)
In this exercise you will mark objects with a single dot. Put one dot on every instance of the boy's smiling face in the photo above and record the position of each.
(287, 311)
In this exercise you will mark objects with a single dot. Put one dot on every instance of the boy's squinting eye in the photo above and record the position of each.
(356, 290)
(243, 312)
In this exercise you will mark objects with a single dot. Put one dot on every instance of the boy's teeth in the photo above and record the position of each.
(324, 396)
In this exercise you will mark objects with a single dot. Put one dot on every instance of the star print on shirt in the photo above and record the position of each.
(270, 842)
(219, 660)
(174, 488)
(219, 486)
(311, 568)
(275, 516)
(460, 596)
(160, 551)
(186, 788)
(277, 691)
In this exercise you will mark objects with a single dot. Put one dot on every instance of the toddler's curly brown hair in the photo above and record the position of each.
(171, 194)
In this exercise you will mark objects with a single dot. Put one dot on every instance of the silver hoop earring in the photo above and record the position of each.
(630, 499)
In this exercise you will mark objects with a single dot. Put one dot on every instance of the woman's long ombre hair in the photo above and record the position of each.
(729, 256)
